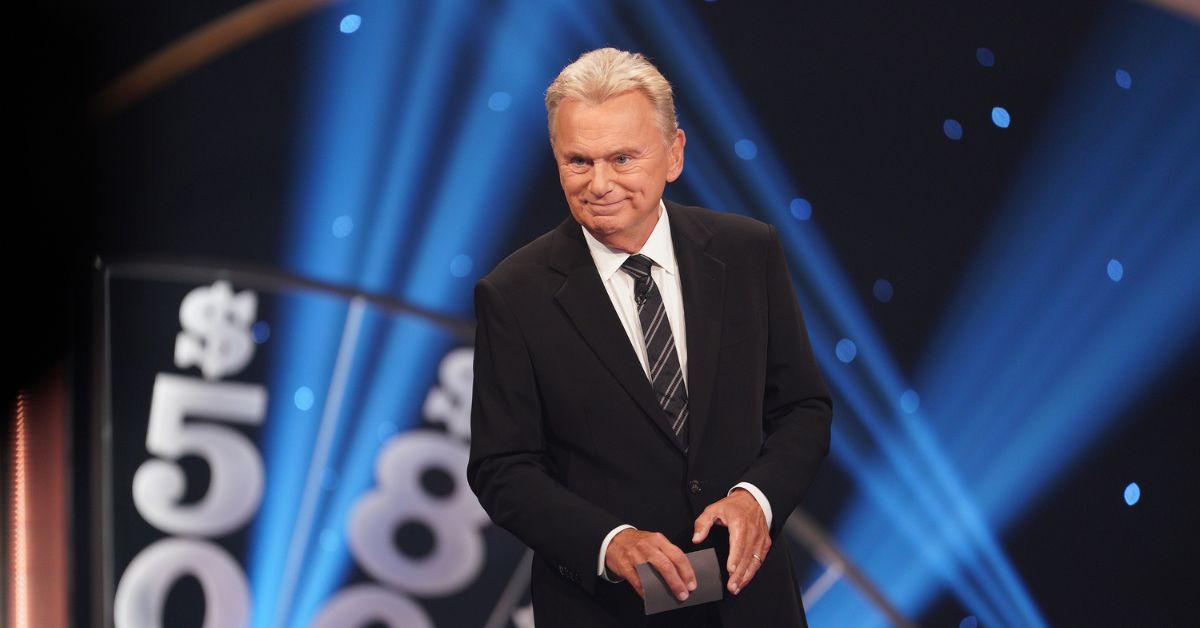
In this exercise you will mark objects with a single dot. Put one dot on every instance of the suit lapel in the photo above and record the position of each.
(702, 280)
(584, 299)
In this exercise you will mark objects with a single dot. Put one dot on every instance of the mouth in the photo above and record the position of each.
(604, 207)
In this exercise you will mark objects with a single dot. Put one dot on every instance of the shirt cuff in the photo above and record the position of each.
(758, 497)
(600, 570)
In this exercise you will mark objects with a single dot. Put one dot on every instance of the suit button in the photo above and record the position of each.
(694, 487)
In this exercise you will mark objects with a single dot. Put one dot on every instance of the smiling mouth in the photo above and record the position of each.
(604, 205)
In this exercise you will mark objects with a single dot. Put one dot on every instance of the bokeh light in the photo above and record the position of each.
(882, 290)
(952, 128)
(846, 350)
(1133, 493)
(1115, 269)
(1000, 117)
(801, 209)
(1124, 80)
(499, 101)
(350, 23)
(303, 398)
(745, 149)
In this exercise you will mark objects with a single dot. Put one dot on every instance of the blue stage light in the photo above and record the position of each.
(985, 57)
(1133, 493)
(1031, 358)
(745, 149)
(910, 401)
(417, 209)
(261, 331)
(350, 23)
(801, 209)
(499, 101)
(385, 430)
(846, 350)
(1000, 117)
(460, 266)
(330, 541)
(303, 398)
(1124, 80)
(1116, 270)
(329, 479)
(828, 299)
(342, 226)
(969, 622)
(882, 290)
(952, 128)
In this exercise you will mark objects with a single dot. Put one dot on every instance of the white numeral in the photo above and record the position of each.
(148, 579)
(454, 519)
(364, 604)
(235, 489)
(449, 403)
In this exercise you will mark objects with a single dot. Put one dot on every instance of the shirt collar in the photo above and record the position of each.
(658, 247)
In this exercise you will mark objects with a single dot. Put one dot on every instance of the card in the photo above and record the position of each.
(709, 587)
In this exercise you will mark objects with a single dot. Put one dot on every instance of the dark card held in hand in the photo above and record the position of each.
(709, 587)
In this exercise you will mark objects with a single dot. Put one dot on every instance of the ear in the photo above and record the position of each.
(675, 156)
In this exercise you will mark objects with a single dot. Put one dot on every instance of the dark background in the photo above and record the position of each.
(201, 170)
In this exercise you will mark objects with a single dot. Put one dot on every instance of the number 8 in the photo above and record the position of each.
(454, 519)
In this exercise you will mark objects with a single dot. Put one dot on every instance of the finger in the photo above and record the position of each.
(752, 568)
(666, 568)
(755, 542)
(739, 556)
(752, 564)
(703, 524)
(682, 566)
(735, 546)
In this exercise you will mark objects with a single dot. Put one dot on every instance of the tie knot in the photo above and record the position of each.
(638, 265)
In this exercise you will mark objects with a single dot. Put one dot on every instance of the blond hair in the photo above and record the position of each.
(604, 73)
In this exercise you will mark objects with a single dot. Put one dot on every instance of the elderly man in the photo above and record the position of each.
(644, 384)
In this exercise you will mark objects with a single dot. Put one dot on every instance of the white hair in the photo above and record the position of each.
(603, 73)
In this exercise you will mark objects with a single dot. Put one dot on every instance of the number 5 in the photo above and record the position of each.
(236, 487)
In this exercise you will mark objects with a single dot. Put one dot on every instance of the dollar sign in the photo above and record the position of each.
(216, 332)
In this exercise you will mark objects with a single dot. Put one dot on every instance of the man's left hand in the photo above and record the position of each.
(748, 535)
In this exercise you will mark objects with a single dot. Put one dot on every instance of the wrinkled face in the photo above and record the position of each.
(613, 163)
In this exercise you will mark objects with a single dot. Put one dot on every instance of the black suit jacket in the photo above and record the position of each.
(568, 441)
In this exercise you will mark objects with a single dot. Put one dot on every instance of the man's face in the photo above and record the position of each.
(613, 163)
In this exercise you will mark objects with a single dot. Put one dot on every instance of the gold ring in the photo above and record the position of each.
(757, 557)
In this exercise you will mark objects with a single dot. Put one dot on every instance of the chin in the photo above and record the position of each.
(606, 225)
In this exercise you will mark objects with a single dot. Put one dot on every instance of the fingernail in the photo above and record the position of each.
(692, 585)
(695, 538)
(736, 590)
(682, 596)
(733, 569)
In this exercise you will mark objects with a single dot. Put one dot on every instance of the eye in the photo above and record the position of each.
(577, 162)
(623, 160)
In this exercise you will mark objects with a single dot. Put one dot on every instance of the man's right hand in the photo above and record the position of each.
(630, 548)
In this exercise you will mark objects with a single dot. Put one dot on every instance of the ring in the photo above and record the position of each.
(757, 557)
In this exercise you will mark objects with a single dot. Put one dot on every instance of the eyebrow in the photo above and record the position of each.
(624, 150)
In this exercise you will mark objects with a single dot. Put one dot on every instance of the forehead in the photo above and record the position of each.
(627, 118)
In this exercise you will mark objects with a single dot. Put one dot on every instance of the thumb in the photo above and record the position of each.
(703, 524)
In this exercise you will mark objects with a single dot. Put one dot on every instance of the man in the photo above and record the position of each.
(644, 385)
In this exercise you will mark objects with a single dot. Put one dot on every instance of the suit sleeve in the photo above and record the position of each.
(508, 467)
(797, 408)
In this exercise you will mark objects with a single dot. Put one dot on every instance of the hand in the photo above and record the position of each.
(629, 548)
(748, 535)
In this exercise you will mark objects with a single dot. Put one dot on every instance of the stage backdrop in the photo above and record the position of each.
(990, 211)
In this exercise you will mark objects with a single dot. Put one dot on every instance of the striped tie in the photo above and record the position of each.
(666, 376)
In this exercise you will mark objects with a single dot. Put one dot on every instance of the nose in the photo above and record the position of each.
(601, 182)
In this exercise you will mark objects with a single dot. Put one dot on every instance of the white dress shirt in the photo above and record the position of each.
(619, 285)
